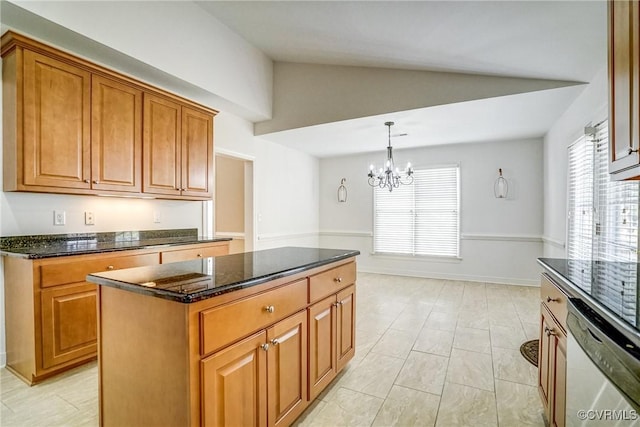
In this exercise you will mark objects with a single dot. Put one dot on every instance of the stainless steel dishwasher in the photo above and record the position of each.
(603, 371)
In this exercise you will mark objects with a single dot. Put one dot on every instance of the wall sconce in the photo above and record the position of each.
(342, 191)
(501, 186)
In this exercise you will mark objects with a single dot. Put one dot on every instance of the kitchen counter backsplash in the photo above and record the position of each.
(53, 245)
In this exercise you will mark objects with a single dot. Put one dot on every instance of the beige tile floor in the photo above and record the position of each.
(429, 353)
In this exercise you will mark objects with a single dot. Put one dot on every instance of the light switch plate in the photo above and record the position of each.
(59, 217)
(156, 217)
(88, 218)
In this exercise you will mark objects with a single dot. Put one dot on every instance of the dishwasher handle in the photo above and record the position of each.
(613, 353)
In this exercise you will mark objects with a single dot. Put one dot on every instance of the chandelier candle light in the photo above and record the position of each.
(390, 177)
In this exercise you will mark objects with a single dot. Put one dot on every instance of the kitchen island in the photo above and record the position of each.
(243, 339)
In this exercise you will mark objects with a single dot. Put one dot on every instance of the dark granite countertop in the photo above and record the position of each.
(57, 245)
(190, 281)
(609, 288)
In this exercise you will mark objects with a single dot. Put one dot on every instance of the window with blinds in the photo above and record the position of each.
(603, 222)
(580, 203)
(422, 218)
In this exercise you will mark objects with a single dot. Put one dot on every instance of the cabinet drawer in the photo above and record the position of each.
(555, 300)
(223, 325)
(76, 271)
(194, 253)
(331, 281)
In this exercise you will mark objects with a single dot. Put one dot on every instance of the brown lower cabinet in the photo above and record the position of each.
(252, 357)
(331, 338)
(263, 377)
(552, 355)
(51, 311)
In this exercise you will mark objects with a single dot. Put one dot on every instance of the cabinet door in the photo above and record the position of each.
(234, 384)
(624, 63)
(116, 136)
(346, 326)
(56, 123)
(322, 345)
(161, 146)
(197, 153)
(68, 324)
(287, 369)
(558, 404)
(544, 358)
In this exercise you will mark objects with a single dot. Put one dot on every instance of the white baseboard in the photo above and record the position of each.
(3, 360)
(467, 278)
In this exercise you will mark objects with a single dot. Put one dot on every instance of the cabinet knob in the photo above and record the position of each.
(275, 341)
(265, 346)
(549, 331)
(337, 304)
(270, 309)
(86, 181)
(199, 255)
(338, 280)
(109, 267)
(549, 299)
(95, 181)
(631, 150)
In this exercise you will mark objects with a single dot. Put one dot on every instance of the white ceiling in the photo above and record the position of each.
(539, 39)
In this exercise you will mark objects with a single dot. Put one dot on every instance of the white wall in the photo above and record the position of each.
(501, 238)
(588, 108)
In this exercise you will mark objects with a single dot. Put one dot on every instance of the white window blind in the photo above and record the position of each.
(580, 199)
(616, 234)
(603, 223)
(616, 208)
(602, 213)
(421, 218)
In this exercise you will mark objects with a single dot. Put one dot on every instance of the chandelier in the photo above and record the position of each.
(390, 177)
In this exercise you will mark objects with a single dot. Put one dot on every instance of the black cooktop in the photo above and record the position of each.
(612, 287)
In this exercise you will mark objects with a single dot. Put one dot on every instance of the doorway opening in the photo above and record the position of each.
(233, 206)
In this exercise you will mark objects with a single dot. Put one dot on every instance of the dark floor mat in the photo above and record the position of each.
(529, 351)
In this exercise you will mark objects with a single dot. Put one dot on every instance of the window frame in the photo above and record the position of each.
(434, 257)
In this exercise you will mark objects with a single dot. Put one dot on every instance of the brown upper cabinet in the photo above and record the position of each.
(116, 136)
(624, 88)
(71, 126)
(178, 149)
(56, 123)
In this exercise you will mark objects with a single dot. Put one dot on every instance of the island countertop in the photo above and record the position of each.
(191, 281)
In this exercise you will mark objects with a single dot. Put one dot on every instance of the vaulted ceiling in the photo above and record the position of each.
(554, 41)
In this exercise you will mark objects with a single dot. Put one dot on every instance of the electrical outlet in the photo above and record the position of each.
(88, 218)
(156, 217)
(59, 217)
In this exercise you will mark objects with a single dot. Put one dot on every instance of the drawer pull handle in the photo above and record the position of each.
(265, 346)
(110, 267)
(275, 341)
(549, 299)
(338, 280)
(270, 309)
(549, 331)
(631, 150)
